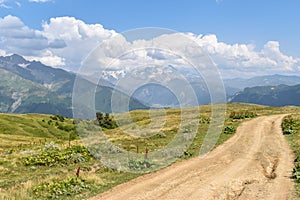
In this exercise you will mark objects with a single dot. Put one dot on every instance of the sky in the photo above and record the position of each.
(244, 38)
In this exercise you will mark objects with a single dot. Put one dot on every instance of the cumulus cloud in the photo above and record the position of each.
(66, 41)
(236, 59)
(69, 28)
(15, 36)
(48, 58)
(243, 57)
(77, 37)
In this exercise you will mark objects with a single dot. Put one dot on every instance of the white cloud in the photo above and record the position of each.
(69, 40)
(244, 57)
(238, 58)
(15, 36)
(69, 28)
(3, 4)
(79, 38)
(66, 41)
(48, 58)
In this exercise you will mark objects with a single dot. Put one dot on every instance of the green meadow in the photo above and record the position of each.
(42, 156)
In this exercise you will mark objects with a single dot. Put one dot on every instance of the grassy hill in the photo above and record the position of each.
(40, 154)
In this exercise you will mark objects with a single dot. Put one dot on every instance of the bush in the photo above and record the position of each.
(55, 189)
(187, 154)
(242, 115)
(52, 157)
(106, 121)
(296, 170)
(57, 117)
(290, 125)
(66, 128)
(229, 130)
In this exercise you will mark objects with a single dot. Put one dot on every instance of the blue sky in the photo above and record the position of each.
(232, 21)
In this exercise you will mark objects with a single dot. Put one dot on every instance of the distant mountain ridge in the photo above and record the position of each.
(34, 71)
(239, 84)
(281, 95)
(158, 96)
(32, 87)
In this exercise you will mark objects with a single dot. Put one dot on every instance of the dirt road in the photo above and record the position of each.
(256, 163)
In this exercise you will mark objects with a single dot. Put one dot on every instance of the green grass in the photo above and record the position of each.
(291, 127)
(24, 136)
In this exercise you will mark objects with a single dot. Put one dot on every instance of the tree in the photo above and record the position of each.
(105, 121)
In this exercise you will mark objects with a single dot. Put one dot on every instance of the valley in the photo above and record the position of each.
(149, 100)
(32, 87)
(41, 154)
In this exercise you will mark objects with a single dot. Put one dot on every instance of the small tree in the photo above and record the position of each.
(105, 121)
(99, 116)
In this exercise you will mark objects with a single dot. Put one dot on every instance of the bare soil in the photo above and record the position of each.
(256, 163)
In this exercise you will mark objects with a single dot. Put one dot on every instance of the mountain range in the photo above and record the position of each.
(281, 95)
(157, 95)
(269, 80)
(32, 87)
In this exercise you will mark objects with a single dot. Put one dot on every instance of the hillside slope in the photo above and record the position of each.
(281, 95)
(31, 87)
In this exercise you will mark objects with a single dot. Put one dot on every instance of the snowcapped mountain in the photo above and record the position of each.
(157, 94)
(164, 86)
(30, 86)
(113, 76)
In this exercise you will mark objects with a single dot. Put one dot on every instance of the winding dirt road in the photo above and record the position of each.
(255, 163)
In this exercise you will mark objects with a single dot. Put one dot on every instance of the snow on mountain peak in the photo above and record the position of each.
(23, 65)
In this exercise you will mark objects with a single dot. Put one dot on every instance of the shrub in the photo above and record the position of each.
(242, 115)
(66, 128)
(55, 189)
(187, 154)
(296, 170)
(106, 121)
(57, 117)
(290, 125)
(53, 118)
(229, 130)
(53, 157)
